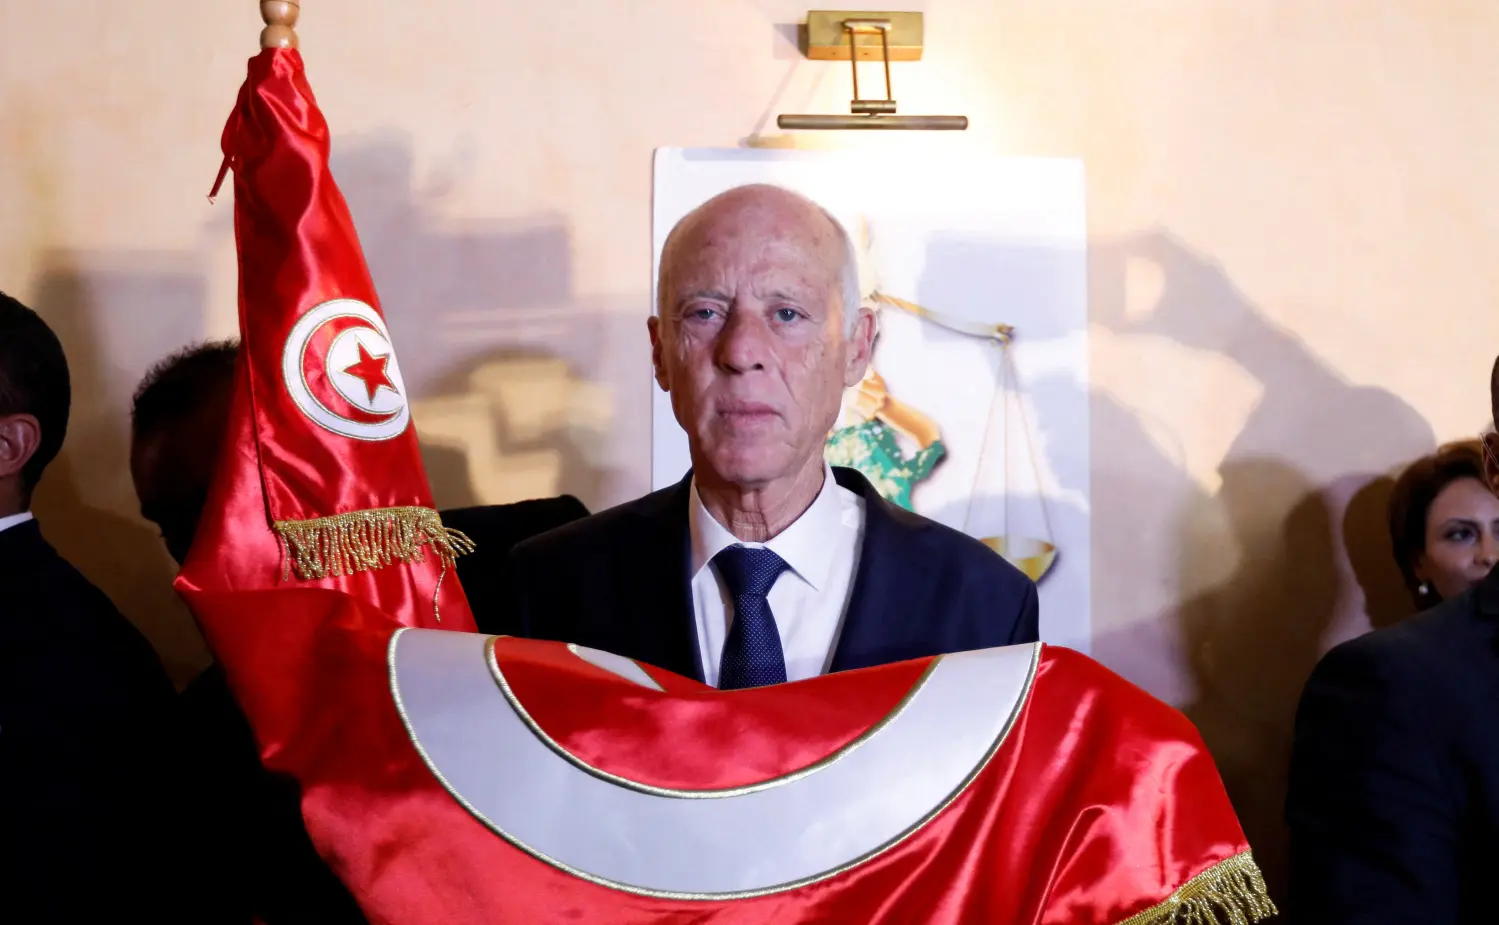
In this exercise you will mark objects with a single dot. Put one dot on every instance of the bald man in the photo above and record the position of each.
(764, 564)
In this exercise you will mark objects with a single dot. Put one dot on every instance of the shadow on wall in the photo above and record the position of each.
(492, 298)
(114, 313)
(1371, 555)
(514, 374)
(513, 427)
(1277, 563)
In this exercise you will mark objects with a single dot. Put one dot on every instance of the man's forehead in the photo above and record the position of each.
(753, 220)
(754, 250)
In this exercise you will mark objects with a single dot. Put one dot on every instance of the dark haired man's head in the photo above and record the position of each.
(35, 397)
(177, 430)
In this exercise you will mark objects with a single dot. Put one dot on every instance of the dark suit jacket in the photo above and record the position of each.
(618, 581)
(1394, 789)
(253, 858)
(258, 858)
(86, 829)
(495, 530)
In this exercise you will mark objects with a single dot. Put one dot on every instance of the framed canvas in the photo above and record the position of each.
(974, 411)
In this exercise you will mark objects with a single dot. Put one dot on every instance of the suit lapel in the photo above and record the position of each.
(873, 626)
(661, 592)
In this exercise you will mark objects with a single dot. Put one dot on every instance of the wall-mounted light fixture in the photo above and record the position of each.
(842, 35)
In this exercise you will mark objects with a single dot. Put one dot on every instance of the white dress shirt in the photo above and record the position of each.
(808, 600)
(14, 520)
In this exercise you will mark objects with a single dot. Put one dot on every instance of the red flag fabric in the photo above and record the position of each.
(322, 481)
(459, 778)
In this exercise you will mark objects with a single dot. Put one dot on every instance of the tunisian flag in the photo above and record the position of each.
(474, 780)
(458, 778)
(322, 482)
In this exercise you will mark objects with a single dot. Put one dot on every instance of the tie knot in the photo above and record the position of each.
(749, 570)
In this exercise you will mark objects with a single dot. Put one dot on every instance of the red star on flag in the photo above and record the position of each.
(372, 371)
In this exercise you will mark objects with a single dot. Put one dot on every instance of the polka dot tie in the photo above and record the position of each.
(752, 655)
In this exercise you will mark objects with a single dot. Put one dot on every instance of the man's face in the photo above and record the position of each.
(172, 467)
(750, 342)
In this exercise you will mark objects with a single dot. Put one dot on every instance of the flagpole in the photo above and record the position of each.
(280, 17)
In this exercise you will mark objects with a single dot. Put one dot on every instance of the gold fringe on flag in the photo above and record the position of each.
(329, 547)
(1231, 892)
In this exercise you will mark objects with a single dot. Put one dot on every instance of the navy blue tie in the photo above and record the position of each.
(752, 655)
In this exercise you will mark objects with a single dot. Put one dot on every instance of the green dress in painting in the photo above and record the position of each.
(871, 447)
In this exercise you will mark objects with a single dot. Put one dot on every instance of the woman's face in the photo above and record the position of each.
(1462, 538)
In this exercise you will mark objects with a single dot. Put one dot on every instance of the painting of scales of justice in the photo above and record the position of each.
(974, 410)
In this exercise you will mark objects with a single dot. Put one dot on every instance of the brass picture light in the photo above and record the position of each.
(837, 35)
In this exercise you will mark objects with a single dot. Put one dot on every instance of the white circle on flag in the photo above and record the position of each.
(482, 747)
(360, 365)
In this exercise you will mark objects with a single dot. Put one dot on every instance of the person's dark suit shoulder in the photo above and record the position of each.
(85, 712)
(1394, 787)
(617, 580)
(572, 546)
(960, 561)
(495, 530)
(1428, 657)
(61, 633)
(565, 558)
(600, 532)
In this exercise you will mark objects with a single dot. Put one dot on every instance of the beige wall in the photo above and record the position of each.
(1293, 209)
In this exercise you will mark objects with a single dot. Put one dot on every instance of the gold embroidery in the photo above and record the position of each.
(1231, 892)
(330, 547)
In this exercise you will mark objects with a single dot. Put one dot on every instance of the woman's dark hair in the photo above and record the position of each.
(1411, 499)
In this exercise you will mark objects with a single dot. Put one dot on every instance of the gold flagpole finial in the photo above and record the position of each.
(280, 17)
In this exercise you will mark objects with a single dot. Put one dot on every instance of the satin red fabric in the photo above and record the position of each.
(298, 250)
(618, 731)
(1100, 803)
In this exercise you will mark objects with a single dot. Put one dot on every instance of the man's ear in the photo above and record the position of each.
(20, 435)
(860, 348)
(653, 326)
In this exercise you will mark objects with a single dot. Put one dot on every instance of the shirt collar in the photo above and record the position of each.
(807, 545)
(14, 520)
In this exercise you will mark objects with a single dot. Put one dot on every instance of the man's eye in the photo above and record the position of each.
(787, 314)
(702, 313)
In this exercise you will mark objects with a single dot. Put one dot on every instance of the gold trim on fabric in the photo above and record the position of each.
(359, 541)
(999, 741)
(1231, 892)
(704, 794)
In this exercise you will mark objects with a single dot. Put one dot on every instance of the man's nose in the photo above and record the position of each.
(743, 342)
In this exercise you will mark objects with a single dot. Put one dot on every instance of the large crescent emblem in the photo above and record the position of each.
(341, 371)
(710, 844)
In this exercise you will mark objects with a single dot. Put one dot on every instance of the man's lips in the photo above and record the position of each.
(744, 409)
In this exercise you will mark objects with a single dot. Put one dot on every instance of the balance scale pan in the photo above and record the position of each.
(1032, 556)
